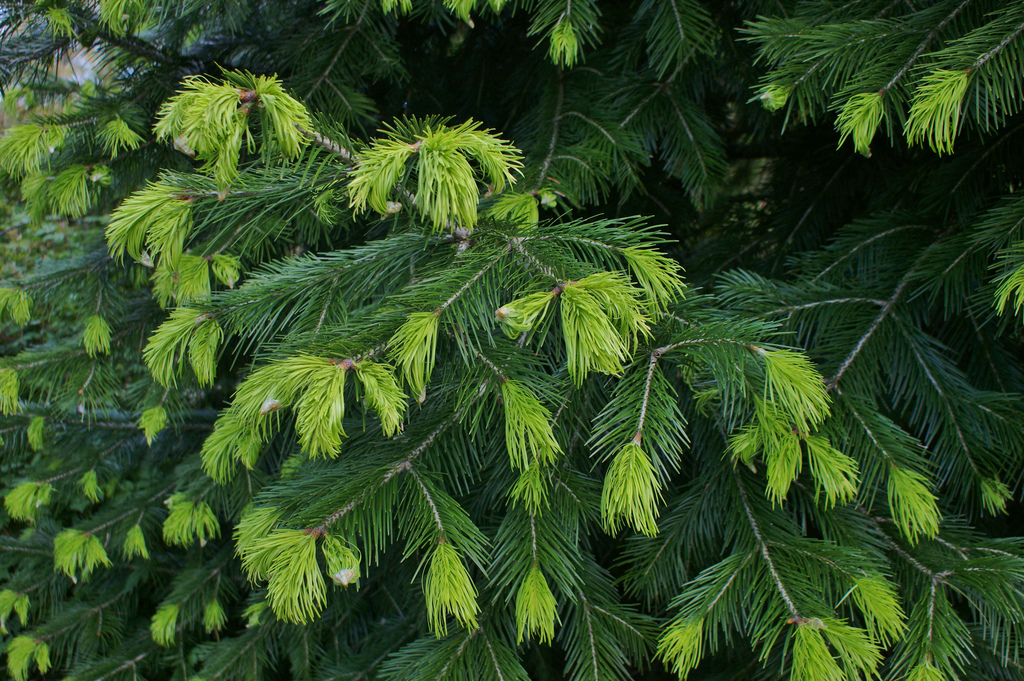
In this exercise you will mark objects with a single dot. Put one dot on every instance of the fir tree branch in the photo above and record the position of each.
(364, 674)
(472, 280)
(990, 149)
(327, 144)
(403, 465)
(590, 632)
(517, 244)
(129, 664)
(78, 622)
(689, 133)
(555, 121)
(849, 253)
(998, 48)
(651, 365)
(833, 382)
(470, 635)
(763, 546)
(945, 400)
(119, 518)
(810, 208)
(790, 309)
(352, 31)
(136, 46)
(494, 659)
(924, 45)
(430, 500)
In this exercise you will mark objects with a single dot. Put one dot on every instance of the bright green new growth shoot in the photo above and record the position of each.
(189, 520)
(449, 590)
(22, 651)
(528, 433)
(414, 346)
(860, 117)
(77, 554)
(23, 501)
(602, 318)
(935, 110)
(211, 120)
(535, 608)
(96, 337)
(631, 492)
(447, 187)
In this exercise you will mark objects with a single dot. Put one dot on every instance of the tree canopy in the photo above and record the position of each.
(515, 339)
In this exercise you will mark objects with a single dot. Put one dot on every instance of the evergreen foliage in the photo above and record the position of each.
(372, 375)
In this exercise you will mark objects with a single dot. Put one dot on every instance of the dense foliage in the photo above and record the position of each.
(374, 373)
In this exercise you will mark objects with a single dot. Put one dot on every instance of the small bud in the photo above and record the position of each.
(344, 577)
(270, 405)
(181, 144)
(502, 313)
(393, 207)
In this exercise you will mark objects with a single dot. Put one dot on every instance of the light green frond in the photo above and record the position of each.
(152, 421)
(24, 148)
(287, 559)
(12, 601)
(631, 492)
(116, 134)
(163, 624)
(793, 384)
(9, 385)
(321, 410)
(341, 560)
(682, 645)
(449, 590)
(19, 656)
(935, 110)
(214, 616)
(535, 608)
(878, 602)
(994, 495)
(380, 168)
(135, 544)
(564, 47)
(69, 191)
(659, 276)
(181, 280)
(522, 315)
(413, 348)
(189, 520)
(531, 488)
(23, 501)
(16, 304)
(528, 435)
(121, 15)
(517, 208)
(96, 337)
(835, 472)
(77, 552)
(89, 482)
(159, 215)
(812, 660)
(860, 117)
(774, 97)
(858, 654)
(601, 319)
(226, 269)
(912, 504)
(382, 394)
(926, 672)
(36, 433)
(185, 330)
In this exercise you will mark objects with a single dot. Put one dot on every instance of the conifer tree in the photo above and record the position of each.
(374, 369)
